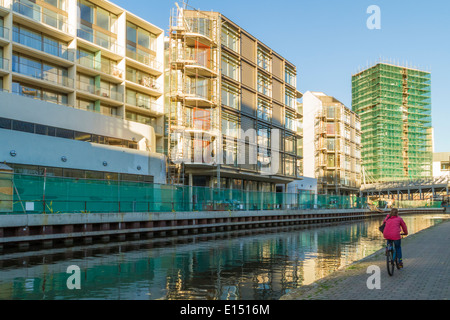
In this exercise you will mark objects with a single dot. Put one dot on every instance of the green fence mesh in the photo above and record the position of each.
(38, 194)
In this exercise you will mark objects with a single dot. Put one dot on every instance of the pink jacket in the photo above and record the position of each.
(393, 227)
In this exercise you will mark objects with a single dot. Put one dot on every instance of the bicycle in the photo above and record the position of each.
(391, 257)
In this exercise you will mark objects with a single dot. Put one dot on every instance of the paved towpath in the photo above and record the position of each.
(425, 276)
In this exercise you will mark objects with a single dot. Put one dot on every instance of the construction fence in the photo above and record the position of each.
(31, 194)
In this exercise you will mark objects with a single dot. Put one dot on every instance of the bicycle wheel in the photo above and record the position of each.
(390, 262)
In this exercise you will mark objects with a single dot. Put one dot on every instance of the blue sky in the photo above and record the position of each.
(328, 40)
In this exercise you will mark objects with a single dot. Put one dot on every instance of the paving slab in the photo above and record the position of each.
(425, 276)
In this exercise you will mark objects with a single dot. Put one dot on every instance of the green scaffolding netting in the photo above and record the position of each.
(38, 194)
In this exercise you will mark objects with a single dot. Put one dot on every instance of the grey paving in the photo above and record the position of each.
(425, 276)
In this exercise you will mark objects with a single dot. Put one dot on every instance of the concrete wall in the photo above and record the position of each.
(311, 105)
(34, 149)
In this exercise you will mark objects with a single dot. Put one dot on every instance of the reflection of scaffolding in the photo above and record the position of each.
(193, 115)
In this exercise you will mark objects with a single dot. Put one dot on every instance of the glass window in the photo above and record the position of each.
(264, 110)
(144, 38)
(23, 126)
(230, 66)
(230, 38)
(264, 59)
(86, 11)
(230, 124)
(103, 19)
(264, 84)
(230, 95)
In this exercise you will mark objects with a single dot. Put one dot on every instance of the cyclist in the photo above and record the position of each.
(392, 232)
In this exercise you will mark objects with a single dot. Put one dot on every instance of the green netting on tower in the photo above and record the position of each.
(394, 104)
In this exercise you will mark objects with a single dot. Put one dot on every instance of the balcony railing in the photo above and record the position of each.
(40, 44)
(100, 39)
(143, 80)
(39, 73)
(145, 104)
(4, 64)
(4, 32)
(102, 66)
(42, 15)
(101, 92)
(145, 59)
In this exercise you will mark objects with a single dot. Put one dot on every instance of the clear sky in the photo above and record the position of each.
(328, 40)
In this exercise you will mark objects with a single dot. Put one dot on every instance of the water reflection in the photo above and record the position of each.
(256, 264)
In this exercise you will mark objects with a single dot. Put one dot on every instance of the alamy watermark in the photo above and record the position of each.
(374, 280)
(374, 21)
(237, 147)
(74, 281)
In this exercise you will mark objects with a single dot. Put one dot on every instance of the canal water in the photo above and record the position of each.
(261, 264)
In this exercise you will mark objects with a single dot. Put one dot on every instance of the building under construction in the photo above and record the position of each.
(332, 144)
(394, 104)
(222, 84)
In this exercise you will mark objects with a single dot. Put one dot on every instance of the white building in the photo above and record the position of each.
(82, 90)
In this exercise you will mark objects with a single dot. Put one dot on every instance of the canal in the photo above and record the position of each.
(255, 264)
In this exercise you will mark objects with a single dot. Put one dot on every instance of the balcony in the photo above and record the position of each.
(51, 75)
(100, 39)
(200, 61)
(103, 93)
(41, 15)
(141, 103)
(138, 81)
(4, 66)
(4, 33)
(104, 67)
(154, 66)
(43, 45)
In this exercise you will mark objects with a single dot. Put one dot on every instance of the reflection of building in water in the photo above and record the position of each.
(250, 266)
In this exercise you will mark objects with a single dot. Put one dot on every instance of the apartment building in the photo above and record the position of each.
(331, 145)
(82, 90)
(394, 104)
(231, 106)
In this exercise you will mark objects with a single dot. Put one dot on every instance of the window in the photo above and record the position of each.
(230, 66)
(289, 98)
(289, 166)
(230, 96)
(289, 76)
(141, 44)
(230, 124)
(86, 11)
(290, 121)
(86, 83)
(289, 144)
(86, 105)
(264, 84)
(40, 70)
(331, 144)
(264, 110)
(331, 160)
(136, 117)
(264, 59)
(39, 93)
(330, 112)
(230, 38)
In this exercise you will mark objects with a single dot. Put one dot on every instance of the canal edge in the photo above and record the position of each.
(314, 290)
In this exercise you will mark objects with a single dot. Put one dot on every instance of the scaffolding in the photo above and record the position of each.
(394, 104)
(193, 95)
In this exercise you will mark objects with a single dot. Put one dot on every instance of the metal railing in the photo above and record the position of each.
(38, 14)
(145, 59)
(40, 44)
(41, 74)
(100, 39)
(102, 66)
